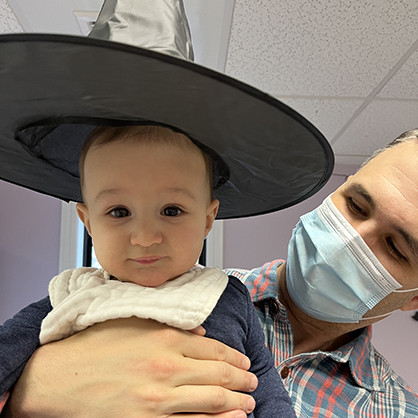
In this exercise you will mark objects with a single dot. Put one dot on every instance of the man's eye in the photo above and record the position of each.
(354, 207)
(171, 211)
(394, 251)
(120, 212)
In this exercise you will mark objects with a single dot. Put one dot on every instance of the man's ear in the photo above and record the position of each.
(412, 305)
(83, 214)
(211, 213)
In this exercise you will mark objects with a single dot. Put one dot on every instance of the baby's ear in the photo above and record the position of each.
(211, 213)
(83, 214)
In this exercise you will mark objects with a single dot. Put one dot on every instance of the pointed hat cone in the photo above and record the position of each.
(136, 68)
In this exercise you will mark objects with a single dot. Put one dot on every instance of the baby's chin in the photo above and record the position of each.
(149, 277)
(148, 280)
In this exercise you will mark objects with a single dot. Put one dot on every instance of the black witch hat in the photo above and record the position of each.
(136, 68)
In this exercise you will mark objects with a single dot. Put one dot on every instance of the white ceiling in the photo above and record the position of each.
(347, 66)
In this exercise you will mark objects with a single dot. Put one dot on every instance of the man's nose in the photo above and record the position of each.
(368, 230)
(146, 233)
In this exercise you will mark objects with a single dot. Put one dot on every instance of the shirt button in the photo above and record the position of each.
(285, 372)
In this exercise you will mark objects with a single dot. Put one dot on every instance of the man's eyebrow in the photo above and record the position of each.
(409, 239)
(359, 189)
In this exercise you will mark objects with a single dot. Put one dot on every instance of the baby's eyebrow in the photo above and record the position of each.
(181, 190)
(106, 192)
(174, 190)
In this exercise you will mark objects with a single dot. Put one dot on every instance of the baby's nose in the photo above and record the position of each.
(146, 234)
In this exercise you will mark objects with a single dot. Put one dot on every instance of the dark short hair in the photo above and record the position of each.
(103, 135)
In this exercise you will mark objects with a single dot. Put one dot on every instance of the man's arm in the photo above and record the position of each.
(132, 368)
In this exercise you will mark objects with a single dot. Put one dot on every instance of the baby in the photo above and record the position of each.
(148, 206)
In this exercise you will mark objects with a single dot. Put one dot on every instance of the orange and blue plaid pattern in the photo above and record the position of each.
(353, 381)
(3, 400)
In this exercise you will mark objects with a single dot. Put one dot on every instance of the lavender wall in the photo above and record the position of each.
(249, 243)
(29, 246)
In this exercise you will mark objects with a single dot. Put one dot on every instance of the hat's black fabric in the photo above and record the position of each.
(275, 157)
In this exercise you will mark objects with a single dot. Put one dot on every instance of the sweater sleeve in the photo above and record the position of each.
(234, 322)
(272, 399)
(19, 338)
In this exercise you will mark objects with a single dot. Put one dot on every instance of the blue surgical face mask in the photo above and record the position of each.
(332, 275)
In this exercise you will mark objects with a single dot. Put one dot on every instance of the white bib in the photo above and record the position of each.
(85, 296)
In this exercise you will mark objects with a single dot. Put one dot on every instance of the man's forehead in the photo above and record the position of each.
(402, 153)
(399, 163)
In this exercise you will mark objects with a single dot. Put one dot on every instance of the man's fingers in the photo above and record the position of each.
(219, 374)
(198, 331)
(210, 398)
(190, 372)
(230, 414)
(191, 345)
(209, 349)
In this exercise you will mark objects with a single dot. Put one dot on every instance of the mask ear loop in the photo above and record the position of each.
(389, 313)
(405, 290)
(377, 316)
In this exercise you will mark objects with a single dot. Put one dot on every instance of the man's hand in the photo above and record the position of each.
(133, 368)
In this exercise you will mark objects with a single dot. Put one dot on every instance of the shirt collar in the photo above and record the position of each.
(358, 353)
(363, 362)
(262, 281)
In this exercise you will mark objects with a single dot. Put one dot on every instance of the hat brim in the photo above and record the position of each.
(275, 156)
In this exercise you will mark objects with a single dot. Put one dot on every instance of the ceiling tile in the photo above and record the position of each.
(209, 22)
(380, 123)
(52, 16)
(351, 160)
(321, 48)
(404, 84)
(8, 20)
(328, 115)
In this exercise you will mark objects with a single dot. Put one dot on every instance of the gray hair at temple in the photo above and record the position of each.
(408, 136)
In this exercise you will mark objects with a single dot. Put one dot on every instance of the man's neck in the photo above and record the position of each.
(310, 334)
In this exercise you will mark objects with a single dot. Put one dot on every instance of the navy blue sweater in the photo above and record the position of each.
(233, 321)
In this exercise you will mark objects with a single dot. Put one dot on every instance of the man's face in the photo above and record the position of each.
(147, 209)
(381, 202)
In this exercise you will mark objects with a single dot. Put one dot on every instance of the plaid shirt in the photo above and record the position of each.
(353, 381)
(3, 399)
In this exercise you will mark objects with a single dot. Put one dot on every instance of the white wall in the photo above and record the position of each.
(250, 242)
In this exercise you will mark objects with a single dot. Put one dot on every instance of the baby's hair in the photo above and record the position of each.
(150, 134)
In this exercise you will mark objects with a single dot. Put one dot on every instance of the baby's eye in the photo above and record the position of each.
(172, 211)
(120, 212)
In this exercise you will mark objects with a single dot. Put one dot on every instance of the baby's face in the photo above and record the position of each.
(147, 209)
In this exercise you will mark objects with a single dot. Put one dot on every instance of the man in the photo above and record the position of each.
(323, 353)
